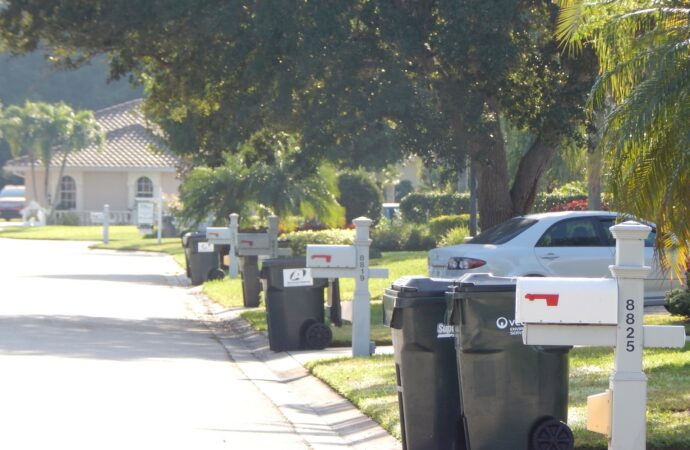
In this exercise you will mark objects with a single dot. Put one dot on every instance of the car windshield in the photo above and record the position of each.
(504, 232)
(12, 192)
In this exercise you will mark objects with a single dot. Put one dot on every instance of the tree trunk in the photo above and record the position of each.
(594, 179)
(33, 178)
(491, 167)
(532, 166)
(51, 206)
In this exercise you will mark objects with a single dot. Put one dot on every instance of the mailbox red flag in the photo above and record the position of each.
(251, 243)
(327, 258)
(551, 299)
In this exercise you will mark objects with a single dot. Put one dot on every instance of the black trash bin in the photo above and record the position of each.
(425, 365)
(251, 283)
(201, 266)
(294, 306)
(513, 396)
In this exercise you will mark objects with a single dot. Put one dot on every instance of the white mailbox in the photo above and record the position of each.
(248, 242)
(332, 256)
(218, 235)
(577, 301)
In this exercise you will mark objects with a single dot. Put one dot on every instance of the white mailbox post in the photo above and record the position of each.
(603, 312)
(350, 261)
(247, 244)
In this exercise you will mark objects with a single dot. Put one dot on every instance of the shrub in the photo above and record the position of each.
(577, 205)
(546, 202)
(402, 189)
(298, 240)
(69, 219)
(454, 236)
(401, 236)
(678, 302)
(439, 226)
(419, 207)
(359, 195)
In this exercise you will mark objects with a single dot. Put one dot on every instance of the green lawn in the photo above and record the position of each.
(369, 383)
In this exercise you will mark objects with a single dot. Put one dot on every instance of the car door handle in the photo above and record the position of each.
(550, 256)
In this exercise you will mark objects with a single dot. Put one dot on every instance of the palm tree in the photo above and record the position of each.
(82, 131)
(644, 53)
(41, 131)
(54, 130)
(266, 174)
(20, 127)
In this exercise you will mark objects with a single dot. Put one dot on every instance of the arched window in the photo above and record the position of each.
(144, 187)
(68, 193)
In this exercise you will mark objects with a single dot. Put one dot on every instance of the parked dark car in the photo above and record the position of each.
(12, 201)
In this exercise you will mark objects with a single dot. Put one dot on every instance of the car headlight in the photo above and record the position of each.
(462, 263)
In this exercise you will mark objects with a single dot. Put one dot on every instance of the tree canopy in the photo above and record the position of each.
(642, 48)
(362, 82)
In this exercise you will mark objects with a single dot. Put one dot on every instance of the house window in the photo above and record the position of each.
(68, 193)
(144, 187)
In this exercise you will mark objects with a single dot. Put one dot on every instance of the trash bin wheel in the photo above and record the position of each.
(216, 274)
(317, 336)
(552, 434)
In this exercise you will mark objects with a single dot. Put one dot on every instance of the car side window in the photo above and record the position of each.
(607, 223)
(581, 232)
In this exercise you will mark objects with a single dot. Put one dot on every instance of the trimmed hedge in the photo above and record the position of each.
(359, 195)
(298, 240)
(439, 226)
(549, 202)
(421, 207)
(401, 236)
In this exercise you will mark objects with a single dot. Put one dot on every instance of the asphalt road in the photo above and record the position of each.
(99, 350)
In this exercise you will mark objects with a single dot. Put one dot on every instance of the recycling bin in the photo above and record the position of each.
(294, 305)
(202, 260)
(251, 283)
(513, 396)
(425, 365)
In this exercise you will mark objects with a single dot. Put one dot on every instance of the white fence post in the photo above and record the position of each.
(106, 223)
(233, 264)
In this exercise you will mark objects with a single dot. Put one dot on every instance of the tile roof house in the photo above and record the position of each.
(126, 169)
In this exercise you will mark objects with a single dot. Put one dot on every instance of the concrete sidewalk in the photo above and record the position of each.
(321, 416)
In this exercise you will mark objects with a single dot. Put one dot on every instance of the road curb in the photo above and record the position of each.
(321, 416)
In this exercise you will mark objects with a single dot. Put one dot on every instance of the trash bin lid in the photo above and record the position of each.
(293, 262)
(484, 282)
(418, 285)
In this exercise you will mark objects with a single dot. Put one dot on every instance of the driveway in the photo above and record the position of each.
(101, 350)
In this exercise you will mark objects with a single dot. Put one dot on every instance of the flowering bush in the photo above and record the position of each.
(576, 205)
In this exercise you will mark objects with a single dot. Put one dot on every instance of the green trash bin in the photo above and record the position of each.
(295, 309)
(201, 262)
(513, 396)
(425, 365)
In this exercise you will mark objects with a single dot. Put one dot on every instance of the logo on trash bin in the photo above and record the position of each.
(444, 331)
(515, 327)
(297, 277)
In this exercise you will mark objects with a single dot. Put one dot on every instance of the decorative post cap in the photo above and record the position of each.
(630, 230)
(234, 218)
(362, 221)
